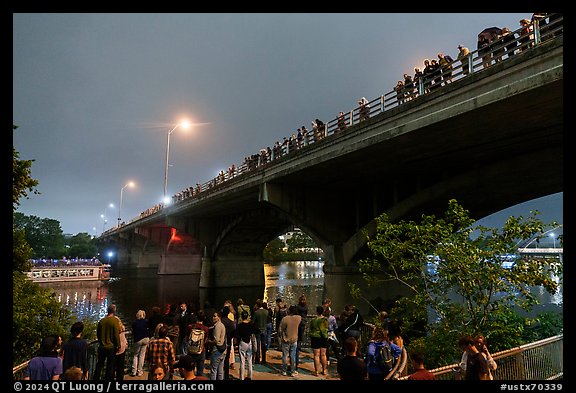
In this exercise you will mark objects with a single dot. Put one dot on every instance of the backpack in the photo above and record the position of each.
(196, 342)
(384, 358)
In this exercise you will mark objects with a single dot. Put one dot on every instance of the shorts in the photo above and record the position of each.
(318, 342)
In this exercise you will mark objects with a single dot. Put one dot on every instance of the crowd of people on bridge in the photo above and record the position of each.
(493, 46)
(185, 342)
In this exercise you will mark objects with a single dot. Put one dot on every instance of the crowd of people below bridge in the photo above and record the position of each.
(202, 344)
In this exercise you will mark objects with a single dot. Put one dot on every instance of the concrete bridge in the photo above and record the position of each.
(490, 139)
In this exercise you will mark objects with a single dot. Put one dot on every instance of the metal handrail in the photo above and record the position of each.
(390, 100)
(539, 360)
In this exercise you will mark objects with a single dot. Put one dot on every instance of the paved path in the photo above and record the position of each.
(272, 370)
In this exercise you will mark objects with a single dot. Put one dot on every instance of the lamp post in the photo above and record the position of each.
(104, 215)
(184, 125)
(129, 184)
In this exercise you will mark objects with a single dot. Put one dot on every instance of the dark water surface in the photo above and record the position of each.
(145, 289)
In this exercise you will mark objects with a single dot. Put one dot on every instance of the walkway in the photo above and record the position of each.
(272, 370)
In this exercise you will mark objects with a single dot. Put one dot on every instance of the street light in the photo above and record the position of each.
(129, 184)
(104, 215)
(552, 236)
(185, 125)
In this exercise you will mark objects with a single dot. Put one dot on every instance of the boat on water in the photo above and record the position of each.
(71, 273)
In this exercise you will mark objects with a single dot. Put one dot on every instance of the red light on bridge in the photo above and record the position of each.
(174, 237)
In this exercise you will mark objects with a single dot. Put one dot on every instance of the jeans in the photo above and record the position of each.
(245, 351)
(268, 334)
(199, 361)
(289, 349)
(105, 355)
(217, 364)
(139, 354)
(261, 347)
(182, 346)
(119, 366)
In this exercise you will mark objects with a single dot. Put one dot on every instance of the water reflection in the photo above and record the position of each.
(140, 290)
(84, 299)
(289, 280)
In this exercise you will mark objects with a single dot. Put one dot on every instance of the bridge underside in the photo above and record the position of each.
(491, 140)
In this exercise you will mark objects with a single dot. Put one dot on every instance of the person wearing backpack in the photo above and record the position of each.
(381, 355)
(196, 330)
(445, 62)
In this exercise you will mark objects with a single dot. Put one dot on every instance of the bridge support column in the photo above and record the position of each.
(180, 264)
(206, 273)
(232, 271)
(144, 259)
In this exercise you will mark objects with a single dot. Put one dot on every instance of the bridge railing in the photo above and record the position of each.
(476, 61)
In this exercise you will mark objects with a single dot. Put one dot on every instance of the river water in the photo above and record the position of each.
(145, 289)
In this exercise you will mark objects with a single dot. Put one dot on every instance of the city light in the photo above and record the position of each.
(129, 184)
(185, 125)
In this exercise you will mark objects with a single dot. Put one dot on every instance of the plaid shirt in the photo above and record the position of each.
(160, 351)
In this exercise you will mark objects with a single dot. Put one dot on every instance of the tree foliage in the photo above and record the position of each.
(300, 240)
(273, 249)
(22, 184)
(36, 314)
(22, 181)
(82, 245)
(455, 274)
(43, 234)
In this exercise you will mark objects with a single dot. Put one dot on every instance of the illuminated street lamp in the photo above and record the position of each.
(129, 184)
(552, 236)
(104, 215)
(185, 125)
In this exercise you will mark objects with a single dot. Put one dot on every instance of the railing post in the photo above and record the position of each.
(470, 63)
(421, 86)
(381, 104)
(352, 117)
(536, 28)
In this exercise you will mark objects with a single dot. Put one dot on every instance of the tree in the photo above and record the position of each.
(273, 249)
(299, 240)
(442, 260)
(36, 314)
(82, 245)
(22, 184)
(44, 235)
